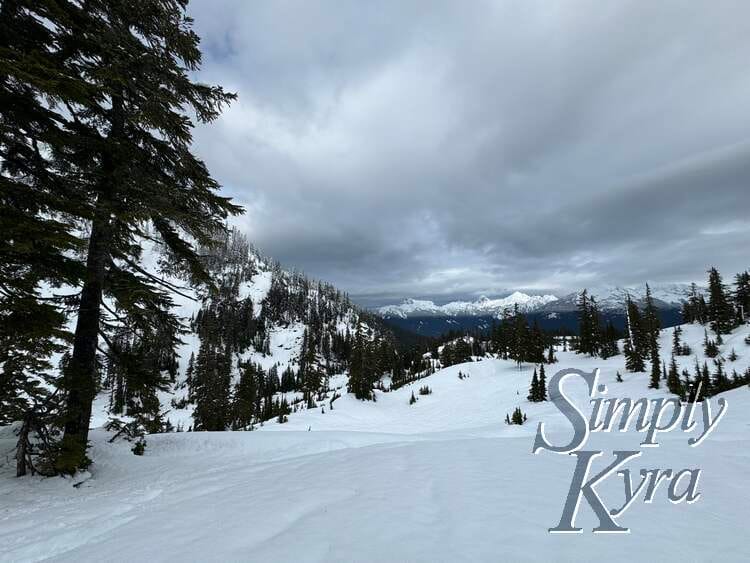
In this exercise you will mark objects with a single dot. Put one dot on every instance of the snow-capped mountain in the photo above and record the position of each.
(552, 312)
(613, 298)
(609, 298)
(481, 307)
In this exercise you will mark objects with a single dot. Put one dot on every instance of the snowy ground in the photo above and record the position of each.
(442, 480)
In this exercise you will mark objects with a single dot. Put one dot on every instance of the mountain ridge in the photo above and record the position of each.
(609, 298)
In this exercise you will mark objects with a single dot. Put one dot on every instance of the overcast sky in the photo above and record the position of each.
(443, 150)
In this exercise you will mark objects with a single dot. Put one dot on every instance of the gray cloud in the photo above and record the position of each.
(459, 148)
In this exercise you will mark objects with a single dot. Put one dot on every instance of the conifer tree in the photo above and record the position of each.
(38, 244)
(635, 343)
(742, 296)
(673, 379)
(655, 370)
(551, 359)
(720, 313)
(534, 388)
(542, 383)
(122, 166)
(245, 396)
(705, 381)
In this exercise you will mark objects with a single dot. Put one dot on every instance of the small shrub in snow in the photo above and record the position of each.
(518, 417)
(425, 390)
(139, 448)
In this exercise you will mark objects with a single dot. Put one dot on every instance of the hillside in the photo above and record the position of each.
(440, 480)
(260, 345)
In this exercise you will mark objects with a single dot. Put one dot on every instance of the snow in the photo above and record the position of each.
(441, 480)
(285, 345)
(257, 289)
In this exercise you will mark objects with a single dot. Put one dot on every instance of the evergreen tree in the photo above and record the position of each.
(742, 296)
(38, 244)
(534, 388)
(673, 379)
(245, 396)
(542, 383)
(655, 370)
(720, 313)
(635, 343)
(212, 383)
(518, 417)
(118, 161)
(551, 359)
(651, 323)
(705, 383)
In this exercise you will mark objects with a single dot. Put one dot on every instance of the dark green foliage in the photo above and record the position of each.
(533, 388)
(38, 244)
(742, 297)
(139, 448)
(637, 342)
(246, 396)
(106, 145)
(720, 313)
(361, 371)
(538, 386)
(514, 339)
(651, 323)
(589, 328)
(673, 379)
(695, 310)
(456, 352)
(211, 388)
(425, 390)
(720, 382)
(412, 399)
(655, 370)
(710, 347)
(517, 417)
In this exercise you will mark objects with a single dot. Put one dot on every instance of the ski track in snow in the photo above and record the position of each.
(442, 480)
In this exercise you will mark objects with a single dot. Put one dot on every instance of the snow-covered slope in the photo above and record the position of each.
(259, 315)
(440, 480)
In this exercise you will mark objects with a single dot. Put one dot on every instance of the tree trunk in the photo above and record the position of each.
(22, 446)
(80, 374)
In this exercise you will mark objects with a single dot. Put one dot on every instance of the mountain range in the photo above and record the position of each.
(551, 311)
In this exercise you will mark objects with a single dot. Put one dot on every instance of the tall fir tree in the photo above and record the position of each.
(542, 383)
(655, 370)
(742, 296)
(135, 176)
(635, 344)
(533, 395)
(720, 313)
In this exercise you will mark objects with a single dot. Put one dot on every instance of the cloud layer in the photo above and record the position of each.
(453, 149)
